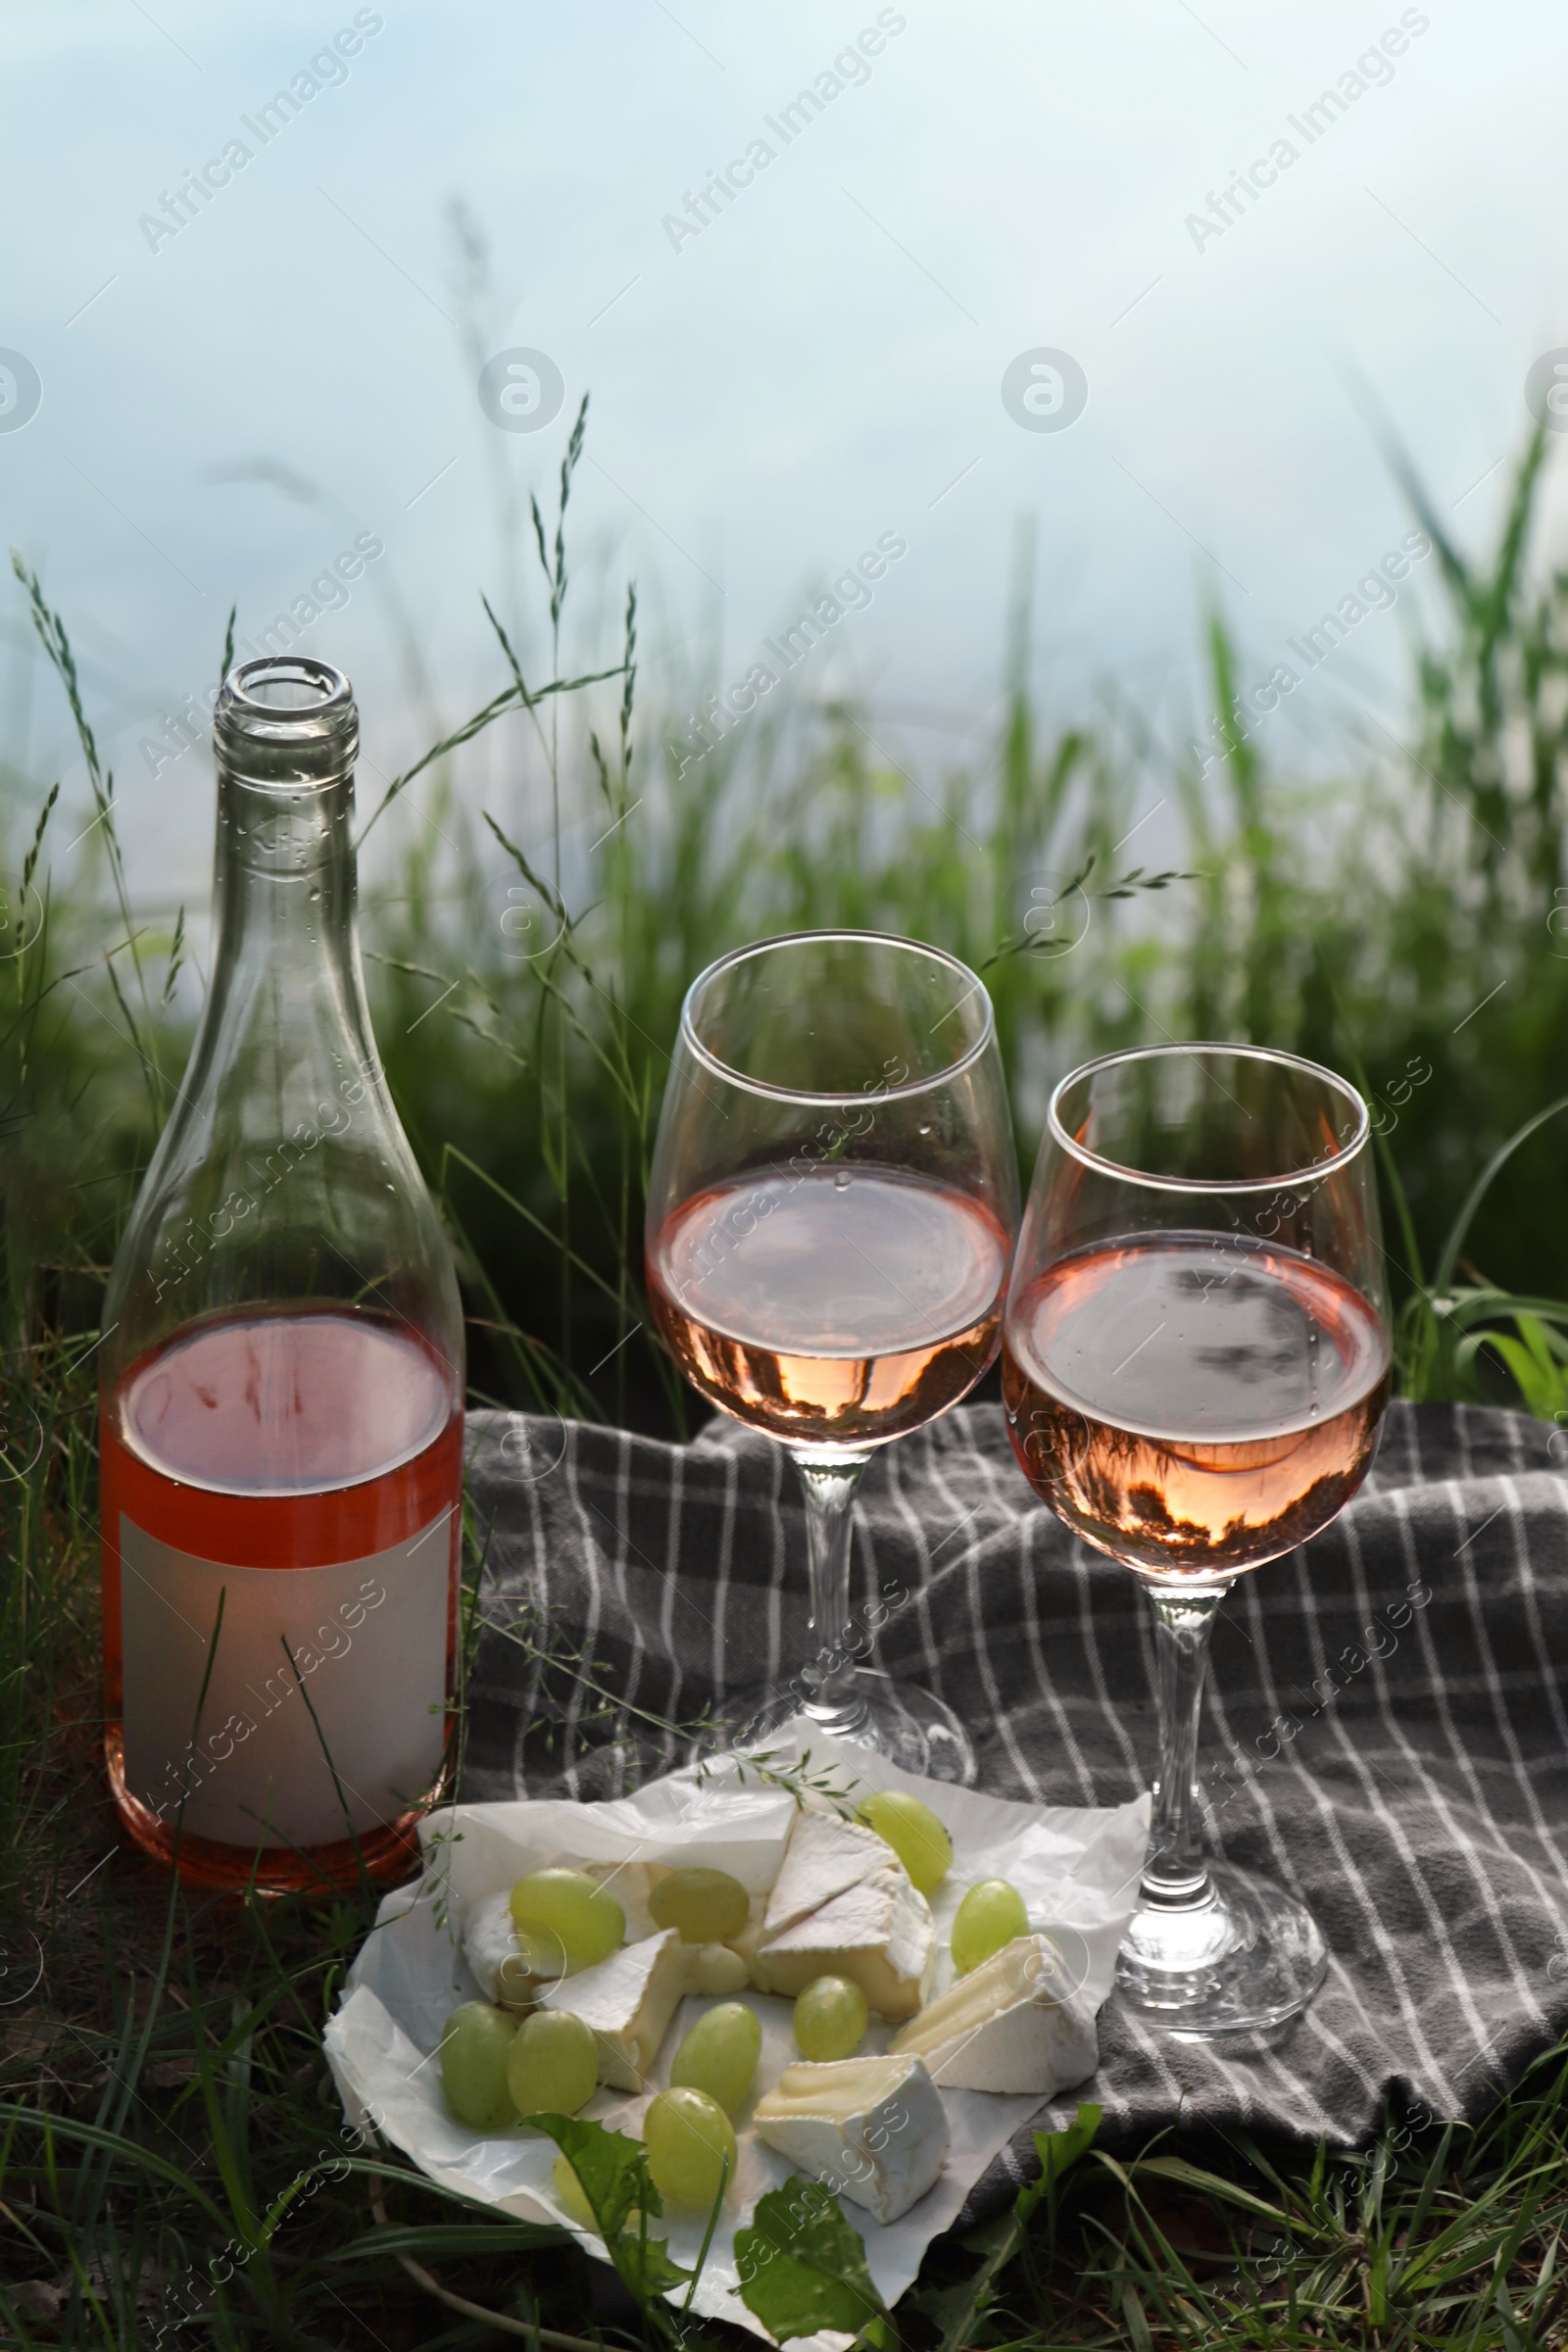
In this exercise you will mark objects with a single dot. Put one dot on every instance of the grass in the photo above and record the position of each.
(170, 2165)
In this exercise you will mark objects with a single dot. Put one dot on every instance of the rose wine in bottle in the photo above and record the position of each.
(281, 1381)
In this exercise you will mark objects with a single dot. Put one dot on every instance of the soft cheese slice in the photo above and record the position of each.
(628, 2000)
(1014, 2022)
(825, 1857)
(488, 1938)
(495, 1954)
(631, 1884)
(874, 2129)
(878, 1933)
(750, 1940)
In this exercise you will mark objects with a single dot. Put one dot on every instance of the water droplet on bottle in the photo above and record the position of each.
(841, 1182)
(925, 1130)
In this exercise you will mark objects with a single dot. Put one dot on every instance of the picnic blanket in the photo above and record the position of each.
(1383, 1731)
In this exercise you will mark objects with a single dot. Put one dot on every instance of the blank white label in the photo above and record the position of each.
(368, 1639)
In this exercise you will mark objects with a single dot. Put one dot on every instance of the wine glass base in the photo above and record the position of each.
(1247, 1959)
(911, 1727)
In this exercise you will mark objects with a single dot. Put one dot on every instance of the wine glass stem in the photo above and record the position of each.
(1175, 1877)
(828, 1675)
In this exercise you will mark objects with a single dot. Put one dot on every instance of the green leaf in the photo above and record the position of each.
(1137, 2318)
(645, 2265)
(802, 2267)
(617, 2182)
(611, 2166)
(1058, 2152)
(1211, 2185)
(1534, 1338)
(1540, 1395)
(999, 2240)
(1454, 1243)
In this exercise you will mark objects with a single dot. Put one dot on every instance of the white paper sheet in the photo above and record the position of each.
(1077, 1870)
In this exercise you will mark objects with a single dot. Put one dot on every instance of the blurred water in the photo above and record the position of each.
(816, 366)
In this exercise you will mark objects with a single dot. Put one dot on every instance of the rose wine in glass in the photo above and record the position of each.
(1195, 1369)
(1248, 1385)
(830, 1223)
(879, 1293)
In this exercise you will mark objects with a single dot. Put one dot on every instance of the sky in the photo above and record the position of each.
(996, 266)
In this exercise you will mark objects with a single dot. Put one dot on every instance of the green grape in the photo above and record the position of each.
(689, 2142)
(475, 2044)
(567, 1907)
(914, 1834)
(829, 2018)
(719, 2055)
(716, 1969)
(990, 1915)
(553, 2065)
(707, 1905)
(570, 2193)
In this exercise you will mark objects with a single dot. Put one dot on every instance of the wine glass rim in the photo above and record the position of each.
(720, 1068)
(1155, 1182)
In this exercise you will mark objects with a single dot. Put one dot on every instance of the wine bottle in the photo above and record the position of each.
(281, 1373)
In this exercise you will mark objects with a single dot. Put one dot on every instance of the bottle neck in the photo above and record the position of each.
(286, 1024)
(286, 891)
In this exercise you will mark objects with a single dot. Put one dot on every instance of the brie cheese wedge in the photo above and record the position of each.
(1014, 2024)
(825, 1856)
(494, 1951)
(629, 2001)
(873, 2129)
(843, 1905)
(879, 1935)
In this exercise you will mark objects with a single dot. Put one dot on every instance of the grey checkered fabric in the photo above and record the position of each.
(1385, 1731)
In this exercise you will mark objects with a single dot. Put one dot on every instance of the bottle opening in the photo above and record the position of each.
(284, 685)
(286, 718)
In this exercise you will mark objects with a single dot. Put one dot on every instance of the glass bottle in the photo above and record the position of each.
(281, 1383)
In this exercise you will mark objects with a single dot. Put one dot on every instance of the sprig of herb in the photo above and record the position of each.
(776, 1772)
(1129, 885)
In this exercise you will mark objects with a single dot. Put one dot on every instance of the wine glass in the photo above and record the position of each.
(1194, 1365)
(830, 1216)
